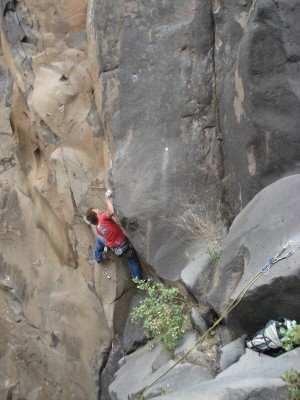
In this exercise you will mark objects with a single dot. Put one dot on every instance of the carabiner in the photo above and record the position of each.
(106, 274)
(265, 270)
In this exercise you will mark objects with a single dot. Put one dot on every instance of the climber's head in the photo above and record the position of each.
(92, 216)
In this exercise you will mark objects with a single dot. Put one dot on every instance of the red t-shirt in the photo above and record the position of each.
(110, 230)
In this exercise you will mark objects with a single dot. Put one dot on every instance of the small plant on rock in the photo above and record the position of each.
(291, 336)
(214, 254)
(293, 377)
(165, 312)
(205, 222)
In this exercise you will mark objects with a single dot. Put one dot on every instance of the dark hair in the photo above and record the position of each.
(91, 216)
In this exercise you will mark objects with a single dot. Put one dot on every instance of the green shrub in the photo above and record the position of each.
(165, 312)
(291, 337)
(293, 377)
(214, 254)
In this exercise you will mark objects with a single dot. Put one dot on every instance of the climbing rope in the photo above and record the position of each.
(262, 272)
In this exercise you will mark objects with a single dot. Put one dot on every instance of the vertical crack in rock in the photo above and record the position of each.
(217, 95)
(251, 10)
(72, 251)
(227, 213)
(105, 359)
(43, 40)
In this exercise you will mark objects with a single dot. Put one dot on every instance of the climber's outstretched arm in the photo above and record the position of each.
(110, 207)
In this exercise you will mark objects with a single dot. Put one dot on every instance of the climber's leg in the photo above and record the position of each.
(99, 247)
(134, 265)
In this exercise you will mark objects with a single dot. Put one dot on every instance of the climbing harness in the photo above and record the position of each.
(263, 271)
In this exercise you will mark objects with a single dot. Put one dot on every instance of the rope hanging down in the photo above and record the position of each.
(263, 271)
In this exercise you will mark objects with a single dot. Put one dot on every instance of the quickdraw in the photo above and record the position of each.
(278, 257)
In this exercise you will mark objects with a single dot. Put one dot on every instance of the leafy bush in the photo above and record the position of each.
(291, 337)
(293, 377)
(165, 313)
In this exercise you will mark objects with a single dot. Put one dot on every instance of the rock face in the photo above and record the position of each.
(51, 155)
(170, 105)
(159, 57)
(258, 88)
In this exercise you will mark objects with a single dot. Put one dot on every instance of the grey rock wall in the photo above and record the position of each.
(156, 85)
(257, 59)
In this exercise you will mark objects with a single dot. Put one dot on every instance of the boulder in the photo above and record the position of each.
(231, 353)
(198, 321)
(259, 232)
(133, 335)
(252, 377)
(199, 275)
(141, 366)
(196, 356)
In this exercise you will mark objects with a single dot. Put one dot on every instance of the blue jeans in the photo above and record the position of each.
(99, 247)
(132, 259)
(134, 265)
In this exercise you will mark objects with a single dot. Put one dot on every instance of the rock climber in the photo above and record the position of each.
(111, 236)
